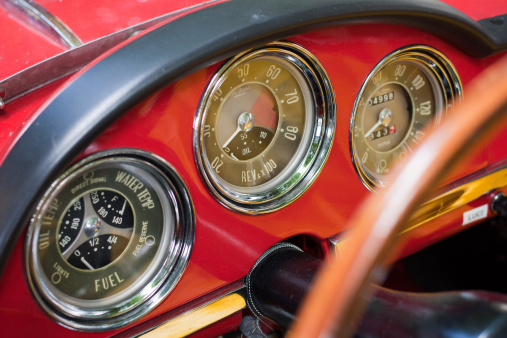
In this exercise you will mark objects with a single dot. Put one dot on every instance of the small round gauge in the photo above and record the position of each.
(112, 207)
(408, 91)
(110, 240)
(98, 252)
(264, 128)
(107, 227)
(71, 224)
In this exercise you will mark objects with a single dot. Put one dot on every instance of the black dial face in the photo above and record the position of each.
(71, 224)
(113, 208)
(400, 100)
(98, 252)
(96, 229)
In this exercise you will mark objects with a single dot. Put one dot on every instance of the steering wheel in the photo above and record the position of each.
(338, 294)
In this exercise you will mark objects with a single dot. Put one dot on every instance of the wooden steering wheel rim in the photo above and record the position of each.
(337, 295)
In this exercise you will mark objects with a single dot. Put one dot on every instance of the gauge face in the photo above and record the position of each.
(403, 95)
(104, 231)
(258, 122)
(107, 235)
(257, 125)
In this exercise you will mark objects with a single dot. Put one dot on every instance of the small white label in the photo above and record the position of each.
(475, 214)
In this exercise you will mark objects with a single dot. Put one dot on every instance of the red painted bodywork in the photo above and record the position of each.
(227, 244)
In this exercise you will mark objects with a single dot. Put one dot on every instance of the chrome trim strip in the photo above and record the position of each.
(200, 317)
(70, 61)
(185, 310)
(463, 194)
(45, 22)
(465, 191)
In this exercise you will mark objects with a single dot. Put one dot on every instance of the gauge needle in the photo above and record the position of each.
(384, 118)
(123, 208)
(238, 129)
(88, 265)
(245, 123)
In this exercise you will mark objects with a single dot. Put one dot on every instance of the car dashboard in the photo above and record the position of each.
(148, 212)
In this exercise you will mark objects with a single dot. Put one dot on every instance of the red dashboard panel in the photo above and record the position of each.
(227, 243)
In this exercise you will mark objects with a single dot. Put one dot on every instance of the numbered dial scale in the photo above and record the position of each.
(264, 128)
(408, 91)
(109, 240)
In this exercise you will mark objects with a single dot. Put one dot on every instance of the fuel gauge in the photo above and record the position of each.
(110, 234)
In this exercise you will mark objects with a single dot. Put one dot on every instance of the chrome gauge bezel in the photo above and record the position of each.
(447, 88)
(312, 153)
(158, 278)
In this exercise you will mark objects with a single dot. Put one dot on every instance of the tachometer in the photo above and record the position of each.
(408, 91)
(265, 127)
(110, 240)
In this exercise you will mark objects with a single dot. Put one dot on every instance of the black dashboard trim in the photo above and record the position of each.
(94, 100)
(497, 27)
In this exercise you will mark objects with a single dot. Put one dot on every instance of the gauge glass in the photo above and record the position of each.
(258, 124)
(261, 124)
(106, 238)
(106, 229)
(406, 93)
